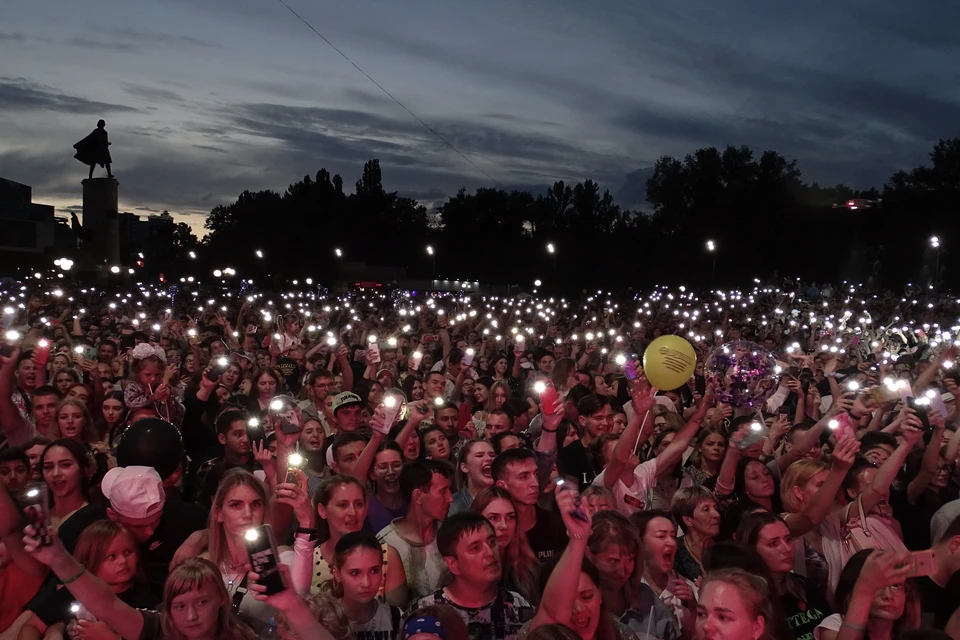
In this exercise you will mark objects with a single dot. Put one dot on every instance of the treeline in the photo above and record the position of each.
(760, 213)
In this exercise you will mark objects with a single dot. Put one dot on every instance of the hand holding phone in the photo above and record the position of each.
(264, 559)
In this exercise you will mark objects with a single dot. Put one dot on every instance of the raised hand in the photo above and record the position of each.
(568, 503)
(845, 453)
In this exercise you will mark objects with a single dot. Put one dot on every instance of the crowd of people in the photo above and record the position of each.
(197, 463)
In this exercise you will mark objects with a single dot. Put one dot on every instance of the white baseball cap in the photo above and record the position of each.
(134, 492)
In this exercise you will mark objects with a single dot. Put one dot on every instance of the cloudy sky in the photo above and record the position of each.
(206, 99)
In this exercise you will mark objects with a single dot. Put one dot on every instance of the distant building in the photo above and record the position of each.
(30, 232)
(155, 234)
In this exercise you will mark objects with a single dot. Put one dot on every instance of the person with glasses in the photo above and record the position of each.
(386, 501)
(320, 383)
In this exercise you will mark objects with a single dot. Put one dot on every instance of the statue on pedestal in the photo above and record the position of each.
(94, 149)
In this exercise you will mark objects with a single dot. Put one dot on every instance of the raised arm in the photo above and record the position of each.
(887, 473)
(15, 428)
(681, 440)
(86, 587)
(559, 595)
(821, 502)
(642, 395)
(930, 462)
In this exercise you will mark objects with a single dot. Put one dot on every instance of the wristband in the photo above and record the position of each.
(548, 430)
(312, 533)
(855, 627)
(83, 570)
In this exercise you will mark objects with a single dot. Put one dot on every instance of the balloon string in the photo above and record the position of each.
(636, 445)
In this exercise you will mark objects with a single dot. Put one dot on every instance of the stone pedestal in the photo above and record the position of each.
(101, 224)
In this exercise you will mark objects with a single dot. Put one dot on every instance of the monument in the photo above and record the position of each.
(100, 231)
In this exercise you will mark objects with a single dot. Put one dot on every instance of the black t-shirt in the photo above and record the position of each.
(940, 602)
(803, 616)
(548, 536)
(915, 518)
(290, 371)
(179, 520)
(573, 461)
(56, 607)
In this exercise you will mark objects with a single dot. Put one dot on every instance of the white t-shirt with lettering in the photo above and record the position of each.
(636, 497)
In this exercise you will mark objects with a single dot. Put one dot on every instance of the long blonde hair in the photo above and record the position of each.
(193, 574)
(522, 569)
(492, 399)
(798, 474)
(89, 429)
(230, 481)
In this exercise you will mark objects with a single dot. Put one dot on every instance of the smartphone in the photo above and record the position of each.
(34, 499)
(924, 564)
(793, 371)
(127, 341)
(264, 559)
(391, 409)
(755, 433)
(360, 355)
(413, 363)
(294, 460)
(373, 349)
(217, 368)
(468, 357)
(548, 398)
(630, 370)
(7, 349)
(578, 513)
(920, 406)
(783, 411)
(288, 427)
(429, 337)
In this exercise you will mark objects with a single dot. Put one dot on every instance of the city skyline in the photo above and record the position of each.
(204, 102)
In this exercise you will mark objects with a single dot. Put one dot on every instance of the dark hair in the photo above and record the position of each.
(497, 441)
(590, 404)
(427, 431)
(909, 619)
(455, 356)
(226, 419)
(407, 385)
(640, 519)
(453, 529)
(324, 494)
(555, 631)
(49, 390)
(510, 456)
(851, 480)
(876, 438)
(82, 456)
(316, 374)
(10, 454)
(342, 441)
(351, 541)
(578, 393)
(740, 488)
(419, 474)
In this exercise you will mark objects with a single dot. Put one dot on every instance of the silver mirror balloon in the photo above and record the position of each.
(742, 374)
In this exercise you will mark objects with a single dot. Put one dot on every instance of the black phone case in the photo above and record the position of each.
(265, 561)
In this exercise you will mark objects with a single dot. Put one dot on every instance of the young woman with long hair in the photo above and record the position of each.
(707, 457)
(875, 598)
(521, 569)
(472, 473)
(113, 416)
(66, 467)
(242, 503)
(341, 507)
(357, 576)
(768, 535)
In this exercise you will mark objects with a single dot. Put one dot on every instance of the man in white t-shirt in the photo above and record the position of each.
(628, 479)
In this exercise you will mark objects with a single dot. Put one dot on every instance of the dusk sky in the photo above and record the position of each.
(205, 99)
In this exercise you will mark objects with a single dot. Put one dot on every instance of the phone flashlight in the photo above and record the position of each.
(276, 405)
(438, 401)
(253, 422)
(834, 423)
(540, 386)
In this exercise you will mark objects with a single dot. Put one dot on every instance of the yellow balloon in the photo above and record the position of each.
(669, 362)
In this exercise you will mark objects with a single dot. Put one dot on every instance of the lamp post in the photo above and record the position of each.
(552, 250)
(712, 248)
(433, 264)
(935, 243)
(339, 255)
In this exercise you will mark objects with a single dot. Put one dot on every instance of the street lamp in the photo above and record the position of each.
(339, 255)
(433, 262)
(193, 255)
(552, 250)
(935, 243)
(712, 248)
(259, 253)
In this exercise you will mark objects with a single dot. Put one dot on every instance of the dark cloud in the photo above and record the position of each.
(21, 94)
(104, 45)
(12, 37)
(153, 94)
